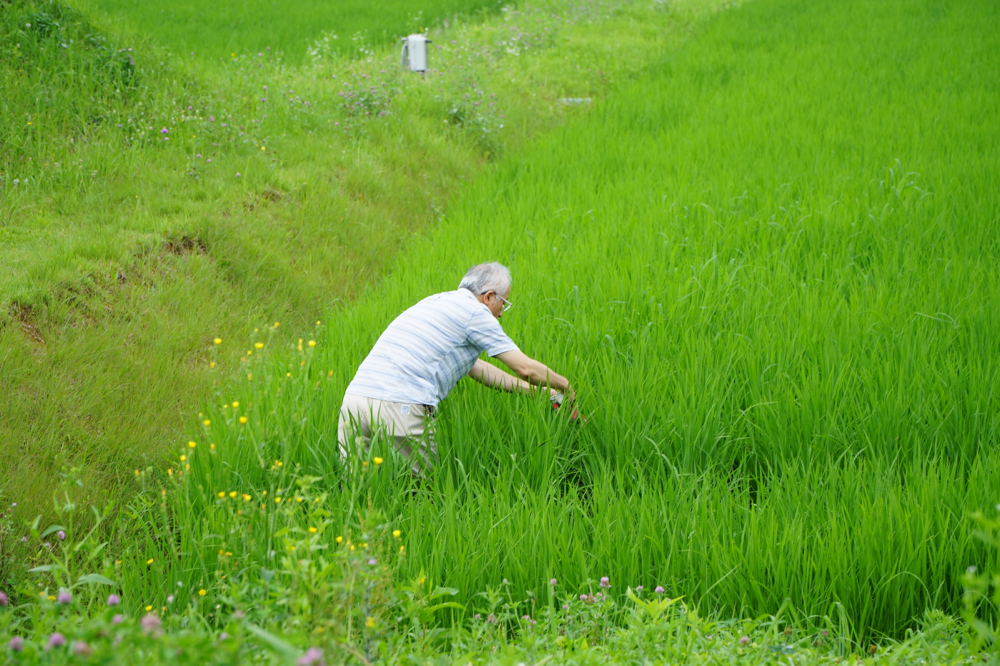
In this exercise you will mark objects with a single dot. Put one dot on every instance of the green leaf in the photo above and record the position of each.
(52, 529)
(95, 578)
(273, 641)
(43, 568)
(441, 591)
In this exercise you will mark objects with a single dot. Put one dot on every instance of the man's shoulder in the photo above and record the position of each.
(458, 301)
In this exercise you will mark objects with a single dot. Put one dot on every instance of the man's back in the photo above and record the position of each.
(428, 348)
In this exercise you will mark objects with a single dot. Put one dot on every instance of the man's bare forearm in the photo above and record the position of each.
(495, 378)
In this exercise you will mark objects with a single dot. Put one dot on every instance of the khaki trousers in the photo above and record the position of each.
(410, 428)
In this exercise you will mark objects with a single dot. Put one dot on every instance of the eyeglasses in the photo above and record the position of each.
(507, 305)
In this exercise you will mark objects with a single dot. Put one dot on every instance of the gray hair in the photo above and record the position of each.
(486, 277)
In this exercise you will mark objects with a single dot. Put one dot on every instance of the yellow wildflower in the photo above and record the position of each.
(212, 364)
(183, 458)
(232, 493)
(149, 608)
(277, 500)
(378, 461)
(217, 341)
(276, 324)
(149, 561)
(243, 419)
(370, 622)
(312, 530)
(396, 533)
(191, 445)
(222, 493)
(170, 472)
(246, 498)
(236, 404)
(258, 345)
(312, 343)
(201, 593)
(207, 422)
(339, 539)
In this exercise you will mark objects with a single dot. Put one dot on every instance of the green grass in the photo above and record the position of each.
(767, 265)
(124, 253)
(293, 29)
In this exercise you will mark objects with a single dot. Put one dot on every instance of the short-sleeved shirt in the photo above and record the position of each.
(427, 349)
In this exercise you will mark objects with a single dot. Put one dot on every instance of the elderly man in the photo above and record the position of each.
(424, 352)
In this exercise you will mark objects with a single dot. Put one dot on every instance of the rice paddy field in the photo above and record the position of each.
(768, 264)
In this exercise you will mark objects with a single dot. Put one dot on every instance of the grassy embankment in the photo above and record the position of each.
(150, 202)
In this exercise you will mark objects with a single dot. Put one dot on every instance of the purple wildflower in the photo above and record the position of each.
(223, 636)
(552, 582)
(605, 582)
(56, 640)
(237, 174)
(477, 616)
(16, 644)
(659, 589)
(114, 600)
(372, 562)
(3, 599)
(491, 618)
(505, 582)
(150, 623)
(61, 535)
(164, 130)
(744, 640)
(117, 619)
(24, 539)
(81, 649)
(583, 597)
(64, 598)
(312, 657)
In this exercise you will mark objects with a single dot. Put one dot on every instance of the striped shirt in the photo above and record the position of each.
(427, 349)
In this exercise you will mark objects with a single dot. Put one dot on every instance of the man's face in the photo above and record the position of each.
(495, 303)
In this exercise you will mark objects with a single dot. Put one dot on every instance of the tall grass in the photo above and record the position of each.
(768, 268)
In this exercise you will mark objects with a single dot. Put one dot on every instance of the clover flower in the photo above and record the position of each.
(61, 535)
(16, 644)
(3, 600)
(151, 623)
(114, 600)
(312, 657)
(64, 598)
(605, 582)
(81, 649)
(56, 640)
(659, 589)
(744, 640)
(118, 619)
(552, 582)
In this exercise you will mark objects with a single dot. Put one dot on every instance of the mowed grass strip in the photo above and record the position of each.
(297, 30)
(768, 267)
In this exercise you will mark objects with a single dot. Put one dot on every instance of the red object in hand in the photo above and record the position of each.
(574, 416)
